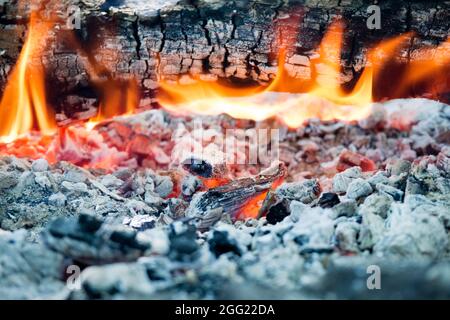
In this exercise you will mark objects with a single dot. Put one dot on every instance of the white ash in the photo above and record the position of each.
(377, 204)
(305, 192)
(341, 181)
(346, 236)
(40, 165)
(416, 234)
(358, 188)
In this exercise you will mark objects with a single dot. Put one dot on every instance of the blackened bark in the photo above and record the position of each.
(235, 40)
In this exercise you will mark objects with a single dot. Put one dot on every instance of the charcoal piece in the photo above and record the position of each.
(141, 222)
(175, 208)
(342, 180)
(190, 185)
(127, 238)
(399, 167)
(377, 203)
(398, 182)
(89, 223)
(416, 185)
(278, 212)
(163, 186)
(82, 240)
(346, 208)
(221, 243)
(328, 200)
(198, 167)
(183, 244)
(379, 177)
(206, 221)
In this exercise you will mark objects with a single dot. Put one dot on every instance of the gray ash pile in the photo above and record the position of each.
(343, 200)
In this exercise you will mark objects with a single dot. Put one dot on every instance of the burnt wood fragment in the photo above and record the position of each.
(234, 196)
(328, 200)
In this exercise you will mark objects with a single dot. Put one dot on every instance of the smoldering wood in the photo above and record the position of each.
(232, 197)
(231, 40)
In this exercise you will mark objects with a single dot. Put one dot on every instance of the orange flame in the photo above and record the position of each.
(326, 99)
(117, 95)
(426, 63)
(24, 106)
(117, 98)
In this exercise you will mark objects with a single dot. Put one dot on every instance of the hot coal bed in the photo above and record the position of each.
(197, 189)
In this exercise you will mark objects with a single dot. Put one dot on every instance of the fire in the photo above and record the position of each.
(27, 117)
(285, 99)
(29, 128)
(24, 106)
(428, 62)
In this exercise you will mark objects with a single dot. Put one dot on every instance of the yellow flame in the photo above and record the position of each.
(326, 99)
(24, 101)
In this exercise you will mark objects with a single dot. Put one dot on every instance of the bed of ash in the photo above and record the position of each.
(356, 195)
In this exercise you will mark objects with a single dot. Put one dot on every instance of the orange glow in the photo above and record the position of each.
(425, 63)
(117, 98)
(24, 106)
(252, 207)
(326, 99)
(214, 182)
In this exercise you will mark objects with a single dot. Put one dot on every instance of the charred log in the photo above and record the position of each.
(215, 40)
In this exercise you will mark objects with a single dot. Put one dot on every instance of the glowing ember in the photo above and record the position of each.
(252, 207)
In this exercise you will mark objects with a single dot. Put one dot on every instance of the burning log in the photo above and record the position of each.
(184, 40)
